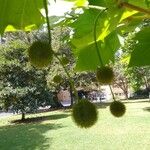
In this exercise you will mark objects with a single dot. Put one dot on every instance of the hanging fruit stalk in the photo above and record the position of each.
(84, 112)
(105, 75)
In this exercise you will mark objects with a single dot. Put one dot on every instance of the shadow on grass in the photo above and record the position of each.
(105, 104)
(41, 118)
(26, 136)
(146, 109)
(102, 105)
(135, 101)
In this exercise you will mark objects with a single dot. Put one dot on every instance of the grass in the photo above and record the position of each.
(56, 131)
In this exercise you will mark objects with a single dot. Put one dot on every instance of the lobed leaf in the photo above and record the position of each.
(20, 14)
(141, 53)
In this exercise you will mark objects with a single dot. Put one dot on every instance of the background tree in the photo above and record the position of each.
(24, 88)
(121, 77)
(135, 77)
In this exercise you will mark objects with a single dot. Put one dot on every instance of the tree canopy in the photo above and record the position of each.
(24, 88)
(97, 29)
(115, 17)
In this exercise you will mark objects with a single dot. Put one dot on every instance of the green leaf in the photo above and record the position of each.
(103, 3)
(141, 53)
(147, 2)
(129, 25)
(112, 44)
(143, 36)
(140, 56)
(87, 58)
(128, 13)
(21, 14)
(140, 3)
(78, 3)
(97, 2)
(84, 26)
(83, 38)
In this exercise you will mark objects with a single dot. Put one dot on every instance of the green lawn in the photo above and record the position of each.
(58, 132)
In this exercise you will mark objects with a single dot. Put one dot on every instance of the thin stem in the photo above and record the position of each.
(97, 48)
(96, 7)
(95, 38)
(112, 92)
(69, 77)
(49, 35)
(92, 7)
(47, 21)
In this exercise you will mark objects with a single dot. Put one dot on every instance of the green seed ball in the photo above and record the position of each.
(105, 75)
(117, 109)
(40, 54)
(57, 79)
(65, 61)
(84, 114)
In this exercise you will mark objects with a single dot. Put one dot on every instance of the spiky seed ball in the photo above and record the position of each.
(40, 54)
(57, 79)
(105, 75)
(84, 114)
(65, 60)
(117, 109)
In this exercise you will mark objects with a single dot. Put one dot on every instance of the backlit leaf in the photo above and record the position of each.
(87, 57)
(21, 14)
(141, 53)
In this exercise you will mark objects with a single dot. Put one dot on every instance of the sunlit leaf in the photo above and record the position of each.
(87, 57)
(81, 3)
(20, 14)
(141, 54)
(97, 2)
(140, 3)
(147, 2)
(127, 14)
(84, 26)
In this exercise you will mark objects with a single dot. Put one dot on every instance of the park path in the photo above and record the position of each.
(4, 114)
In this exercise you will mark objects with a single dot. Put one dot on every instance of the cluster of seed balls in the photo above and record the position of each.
(105, 75)
(84, 112)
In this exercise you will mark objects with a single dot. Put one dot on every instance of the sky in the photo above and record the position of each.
(59, 8)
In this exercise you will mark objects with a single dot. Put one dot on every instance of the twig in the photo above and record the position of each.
(127, 5)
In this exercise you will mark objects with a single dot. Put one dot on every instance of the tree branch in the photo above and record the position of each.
(127, 5)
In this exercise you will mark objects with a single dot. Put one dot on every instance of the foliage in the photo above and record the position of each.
(97, 28)
(21, 15)
(120, 17)
(60, 40)
(141, 47)
(136, 77)
(122, 75)
(139, 78)
(24, 88)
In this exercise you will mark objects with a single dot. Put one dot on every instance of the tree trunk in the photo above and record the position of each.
(23, 116)
(126, 94)
(57, 103)
(71, 95)
(145, 82)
